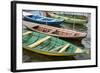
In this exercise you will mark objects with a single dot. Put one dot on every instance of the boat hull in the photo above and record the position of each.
(52, 23)
(68, 19)
(32, 26)
(48, 45)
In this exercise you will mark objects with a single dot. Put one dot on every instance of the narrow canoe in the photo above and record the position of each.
(43, 20)
(74, 19)
(55, 31)
(48, 45)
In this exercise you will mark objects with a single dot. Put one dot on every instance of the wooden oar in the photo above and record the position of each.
(38, 42)
(64, 48)
(26, 33)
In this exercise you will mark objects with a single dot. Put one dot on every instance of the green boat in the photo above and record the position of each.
(48, 45)
(74, 19)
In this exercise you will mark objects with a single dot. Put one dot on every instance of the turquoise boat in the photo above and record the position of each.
(48, 45)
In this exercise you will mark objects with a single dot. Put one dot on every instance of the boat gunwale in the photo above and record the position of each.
(52, 53)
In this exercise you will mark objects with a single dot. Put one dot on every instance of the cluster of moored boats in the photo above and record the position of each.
(44, 38)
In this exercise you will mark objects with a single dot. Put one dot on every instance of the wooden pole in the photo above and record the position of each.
(39, 42)
(64, 48)
(26, 33)
(55, 49)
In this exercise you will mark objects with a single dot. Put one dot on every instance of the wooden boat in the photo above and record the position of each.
(74, 19)
(48, 45)
(55, 31)
(43, 20)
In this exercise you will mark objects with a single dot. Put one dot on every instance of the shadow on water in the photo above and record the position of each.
(36, 57)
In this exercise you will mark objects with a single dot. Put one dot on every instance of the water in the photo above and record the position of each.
(86, 42)
(77, 27)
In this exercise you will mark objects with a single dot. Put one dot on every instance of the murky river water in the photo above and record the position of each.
(30, 57)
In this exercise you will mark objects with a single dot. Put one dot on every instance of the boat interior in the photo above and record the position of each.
(56, 31)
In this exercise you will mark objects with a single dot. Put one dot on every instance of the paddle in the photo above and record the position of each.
(39, 42)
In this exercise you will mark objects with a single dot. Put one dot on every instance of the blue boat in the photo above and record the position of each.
(43, 20)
